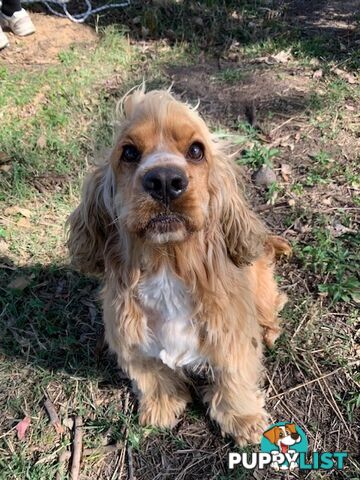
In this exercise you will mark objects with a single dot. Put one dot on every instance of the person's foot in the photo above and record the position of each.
(19, 23)
(4, 42)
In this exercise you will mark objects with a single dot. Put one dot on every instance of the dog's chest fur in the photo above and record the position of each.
(168, 307)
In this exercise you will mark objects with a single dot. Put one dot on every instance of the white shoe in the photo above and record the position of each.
(19, 23)
(4, 42)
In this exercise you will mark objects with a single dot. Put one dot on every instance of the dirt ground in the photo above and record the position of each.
(53, 35)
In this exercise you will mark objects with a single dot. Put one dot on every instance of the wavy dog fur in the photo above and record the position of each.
(218, 260)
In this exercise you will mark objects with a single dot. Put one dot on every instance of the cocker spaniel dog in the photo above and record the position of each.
(187, 266)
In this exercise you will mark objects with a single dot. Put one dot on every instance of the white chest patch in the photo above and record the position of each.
(167, 303)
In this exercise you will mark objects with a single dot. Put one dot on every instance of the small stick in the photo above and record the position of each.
(77, 447)
(130, 463)
(282, 125)
(263, 208)
(87, 452)
(54, 418)
(333, 405)
(104, 450)
(305, 384)
(63, 457)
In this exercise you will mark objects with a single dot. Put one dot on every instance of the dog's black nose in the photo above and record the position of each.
(165, 183)
(295, 436)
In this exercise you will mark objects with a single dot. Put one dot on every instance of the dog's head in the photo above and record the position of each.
(161, 164)
(283, 436)
(167, 180)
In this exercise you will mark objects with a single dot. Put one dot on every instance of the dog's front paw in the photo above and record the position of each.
(245, 429)
(162, 411)
(250, 429)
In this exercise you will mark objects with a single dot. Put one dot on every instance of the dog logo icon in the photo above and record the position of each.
(285, 441)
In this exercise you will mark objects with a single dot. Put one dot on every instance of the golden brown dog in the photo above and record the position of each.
(187, 266)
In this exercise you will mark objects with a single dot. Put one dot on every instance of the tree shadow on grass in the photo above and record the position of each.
(52, 321)
(318, 29)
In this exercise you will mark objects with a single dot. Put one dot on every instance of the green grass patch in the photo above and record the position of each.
(333, 260)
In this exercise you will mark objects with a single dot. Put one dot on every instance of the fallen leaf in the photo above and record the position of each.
(291, 202)
(5, 168)
(136, 20)
(15, 210)
(22, 426)
(348, 77)
(20, 283)
(285, 171)
(41, 142)
(314, 62)
(342, 47)
(282, 57)
(233, 56)
(4, 158)
(280, 141)
(337, 229)
(23, 223)
(4, 247)
(318, 73)
(300, 227)
(68, 423)
(198, 21)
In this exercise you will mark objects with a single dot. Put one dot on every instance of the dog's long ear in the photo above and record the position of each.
(91, 222)
(243, 232)
(271, 434)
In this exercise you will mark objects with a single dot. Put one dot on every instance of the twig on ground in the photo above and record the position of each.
(88, 452)
(9, 267)
(130, 463)
(302, 385)
(63, 457)
(104, 450)
(278, 127)
(77, 447)
(288, 409)
(54, 418)
(263, 208)
(330, 398)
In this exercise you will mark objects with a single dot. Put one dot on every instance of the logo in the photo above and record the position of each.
(284, 447)
(284, 442)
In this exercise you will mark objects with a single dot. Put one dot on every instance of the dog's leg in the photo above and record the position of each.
(163, 395)
(237, 406)
(269, 301)
(268, 313)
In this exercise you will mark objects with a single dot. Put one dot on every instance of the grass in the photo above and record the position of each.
(61, 110)
(52, 126)
(333, 259)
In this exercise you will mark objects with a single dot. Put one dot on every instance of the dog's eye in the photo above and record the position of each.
(196, 152)
(281, 434)
(130, 154)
